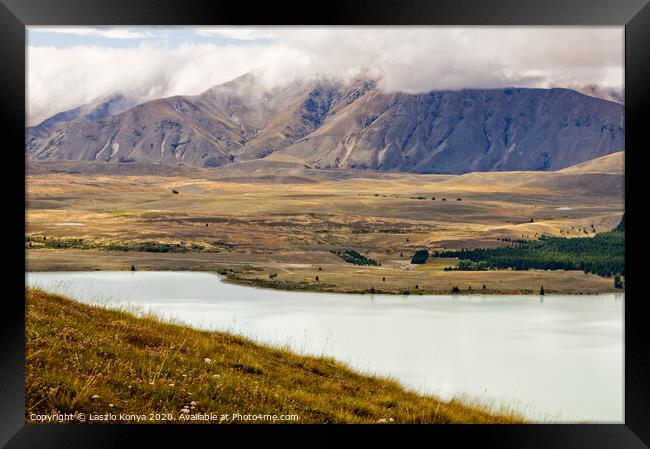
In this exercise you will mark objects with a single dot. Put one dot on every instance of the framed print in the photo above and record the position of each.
(392, 215)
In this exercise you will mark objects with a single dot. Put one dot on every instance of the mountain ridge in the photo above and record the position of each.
(332, 124)
(97, 109)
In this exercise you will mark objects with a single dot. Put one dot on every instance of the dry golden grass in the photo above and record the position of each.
(82, 359)
(289, 227)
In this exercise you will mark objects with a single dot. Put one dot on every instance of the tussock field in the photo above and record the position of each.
(113, 367)
(279, 226)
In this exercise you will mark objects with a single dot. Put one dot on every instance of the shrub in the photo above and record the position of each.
(617, 281)
(469, 265)
(421, 256)
(154, 247)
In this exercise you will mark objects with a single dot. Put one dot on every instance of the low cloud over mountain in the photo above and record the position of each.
(153, 62)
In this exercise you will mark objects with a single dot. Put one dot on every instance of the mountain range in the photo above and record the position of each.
(333, 124)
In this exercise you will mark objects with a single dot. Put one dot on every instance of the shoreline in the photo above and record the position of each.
(263, 285)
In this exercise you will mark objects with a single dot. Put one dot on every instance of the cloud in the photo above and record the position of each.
(237, 33)
(417, 59)
(407, 59)
(110, 33)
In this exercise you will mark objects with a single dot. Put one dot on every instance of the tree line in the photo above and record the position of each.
(603, 254)
(354, 257)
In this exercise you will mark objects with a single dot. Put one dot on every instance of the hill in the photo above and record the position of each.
(96, 361)
(612, 164)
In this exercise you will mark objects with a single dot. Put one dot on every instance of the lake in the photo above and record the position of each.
(554, 358)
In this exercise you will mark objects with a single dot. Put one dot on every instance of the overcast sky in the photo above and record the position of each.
(69, 66)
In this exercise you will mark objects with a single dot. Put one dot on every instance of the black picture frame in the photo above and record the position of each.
(15, 15)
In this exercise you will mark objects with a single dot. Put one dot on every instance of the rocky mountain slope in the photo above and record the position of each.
(329, 124)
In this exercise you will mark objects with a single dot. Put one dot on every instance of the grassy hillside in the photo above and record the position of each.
(612, 163)
(96, 361)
